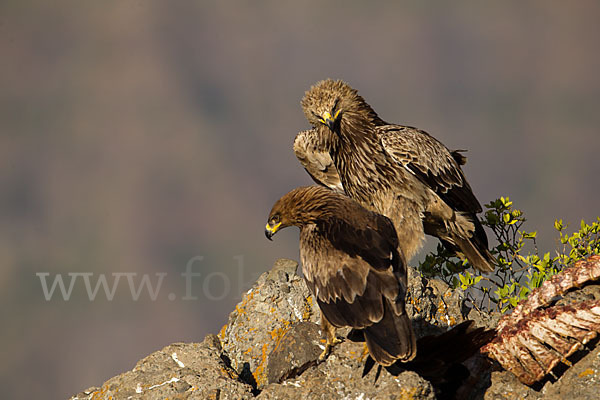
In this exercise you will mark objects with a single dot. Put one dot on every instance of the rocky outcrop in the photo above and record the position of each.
(278, 300)
(180, 370)
(270, 346)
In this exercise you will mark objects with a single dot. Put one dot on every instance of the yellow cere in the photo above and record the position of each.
(272, 229)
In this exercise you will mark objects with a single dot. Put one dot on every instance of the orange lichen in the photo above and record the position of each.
(226, 372)
(100, 394)
(407, 394)
(222, 332)
(278, 333)
(587, 372)
(442, 306)
(259, 373)
(241, 307)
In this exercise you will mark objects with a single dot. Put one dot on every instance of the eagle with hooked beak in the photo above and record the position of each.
(352, 266)
(394, 170)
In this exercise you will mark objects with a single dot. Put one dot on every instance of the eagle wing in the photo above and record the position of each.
(359, 280)
(316, 160)
(429, 160)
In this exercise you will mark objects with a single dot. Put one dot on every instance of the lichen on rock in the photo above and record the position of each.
(270, 346)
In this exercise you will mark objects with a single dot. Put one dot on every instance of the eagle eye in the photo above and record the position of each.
(275, 219)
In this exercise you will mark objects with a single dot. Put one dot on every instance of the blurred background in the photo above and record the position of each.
(137, 135)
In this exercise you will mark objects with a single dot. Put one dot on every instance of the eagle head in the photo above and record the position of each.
(323, 103)
(273, 225)
(281, 216)
(299, 207)
(329, 101)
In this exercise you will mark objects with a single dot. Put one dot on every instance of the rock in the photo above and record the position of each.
(270, 346)
(581, 381)
(298, 349)
(487, 320)
(432, 305)
(279, 299)
(587, 293)
(345, 374)
(182, 371)
(506, 386)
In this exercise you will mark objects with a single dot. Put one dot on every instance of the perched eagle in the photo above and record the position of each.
(352, 266)
(398, 171)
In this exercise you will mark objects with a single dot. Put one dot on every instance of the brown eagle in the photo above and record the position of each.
(398, 171)
(352, 266)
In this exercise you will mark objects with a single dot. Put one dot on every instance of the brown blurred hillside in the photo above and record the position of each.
(136, 135)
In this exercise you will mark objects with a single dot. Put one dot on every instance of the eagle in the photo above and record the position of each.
(352, 267)
(398, 171)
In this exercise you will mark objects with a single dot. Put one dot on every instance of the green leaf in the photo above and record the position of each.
(454, 282)
(558, 224)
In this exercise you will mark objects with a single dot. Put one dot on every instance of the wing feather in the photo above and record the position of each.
(354, 268)
(316, 160)
(432, 162)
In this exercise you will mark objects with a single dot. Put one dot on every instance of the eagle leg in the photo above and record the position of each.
(332, 340)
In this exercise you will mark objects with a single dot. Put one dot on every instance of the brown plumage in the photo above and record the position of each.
(398, 171)
(352, 266)
(316, 160)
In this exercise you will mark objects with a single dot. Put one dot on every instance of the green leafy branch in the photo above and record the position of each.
(520, 268)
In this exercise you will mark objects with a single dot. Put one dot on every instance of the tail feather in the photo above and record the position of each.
(472, 242)
(461, 233)
(392, 338)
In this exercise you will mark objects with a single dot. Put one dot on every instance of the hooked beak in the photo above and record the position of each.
(329, 120)
(271, 230)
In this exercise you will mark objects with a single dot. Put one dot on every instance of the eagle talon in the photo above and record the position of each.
(328, 347)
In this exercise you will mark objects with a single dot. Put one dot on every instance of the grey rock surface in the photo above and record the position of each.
(581, 381)
(298, 349)
(182, 371)
(279, 299)
(432, 305)
(346, 375)
(270, 346)
(506, 386)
